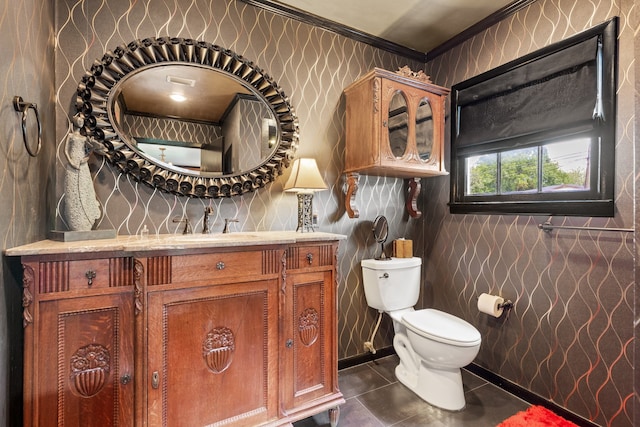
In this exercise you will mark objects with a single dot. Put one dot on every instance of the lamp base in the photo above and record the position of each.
(305, 220)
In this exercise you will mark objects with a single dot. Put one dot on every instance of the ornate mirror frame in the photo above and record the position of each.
(93, 104)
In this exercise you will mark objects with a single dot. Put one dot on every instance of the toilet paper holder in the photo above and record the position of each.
(506, 305)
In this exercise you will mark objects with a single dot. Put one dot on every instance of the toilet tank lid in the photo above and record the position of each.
(391, 263)
(441, 326)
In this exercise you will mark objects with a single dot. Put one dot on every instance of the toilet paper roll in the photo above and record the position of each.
(490, 304)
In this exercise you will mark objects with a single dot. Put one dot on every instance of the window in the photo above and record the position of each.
(537, 135)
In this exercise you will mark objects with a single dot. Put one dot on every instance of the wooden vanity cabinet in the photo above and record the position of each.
(233, 335)
(395, 128)
(79, 357)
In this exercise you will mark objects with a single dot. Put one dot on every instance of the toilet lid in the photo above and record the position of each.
(440, 326)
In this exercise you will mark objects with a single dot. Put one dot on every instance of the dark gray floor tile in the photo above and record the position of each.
(352, 414)
(393, 403)
(386, 367)
(487, 406)
(376, 399)
(471, 381)
(359, 379)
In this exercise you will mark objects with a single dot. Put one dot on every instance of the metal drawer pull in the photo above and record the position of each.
(125, 379)
(220, 265)
(310, 258)
(90, 275)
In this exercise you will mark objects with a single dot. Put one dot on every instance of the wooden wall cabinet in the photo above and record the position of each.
(233, 336)
(395, 128)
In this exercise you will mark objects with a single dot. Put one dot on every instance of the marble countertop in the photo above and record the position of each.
(171, 242)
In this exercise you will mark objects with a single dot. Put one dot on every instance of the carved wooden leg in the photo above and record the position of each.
(412, 197)
(350, 198)
(334, 415)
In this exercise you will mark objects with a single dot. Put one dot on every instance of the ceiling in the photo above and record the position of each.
(210, 93)
(415, 28)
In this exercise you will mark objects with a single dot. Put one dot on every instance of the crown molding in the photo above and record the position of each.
(380, 43)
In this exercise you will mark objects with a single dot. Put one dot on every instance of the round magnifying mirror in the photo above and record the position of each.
(380, 233)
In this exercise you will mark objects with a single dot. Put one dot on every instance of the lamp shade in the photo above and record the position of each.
(305, 177)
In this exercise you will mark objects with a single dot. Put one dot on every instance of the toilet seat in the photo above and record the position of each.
(443, 327)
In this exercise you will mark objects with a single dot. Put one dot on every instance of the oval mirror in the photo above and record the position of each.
(398, 124)
(424, 129)
(188, 117)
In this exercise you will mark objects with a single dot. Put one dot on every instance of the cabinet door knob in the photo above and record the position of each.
(90, 275)
(220, 265)
(125, 379)
(289, 343)
(155, 380)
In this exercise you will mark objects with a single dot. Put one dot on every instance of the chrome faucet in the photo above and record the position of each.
(206, 225)
(187, 224)
(226, 224)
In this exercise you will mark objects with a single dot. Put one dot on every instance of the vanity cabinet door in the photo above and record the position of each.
(212, 355)
(83, 369)
(309, 339)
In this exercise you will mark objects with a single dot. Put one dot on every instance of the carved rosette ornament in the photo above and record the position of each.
(308, 326)
(90, 366)
(218, 348)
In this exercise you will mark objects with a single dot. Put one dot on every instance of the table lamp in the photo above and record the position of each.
(305, 179)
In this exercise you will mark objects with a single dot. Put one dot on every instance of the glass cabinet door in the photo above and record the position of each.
(424, 129)
(398, 123)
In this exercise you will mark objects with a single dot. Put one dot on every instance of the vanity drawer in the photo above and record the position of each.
(237, 266)
(62, 276)
(309, 256)
(89, 274)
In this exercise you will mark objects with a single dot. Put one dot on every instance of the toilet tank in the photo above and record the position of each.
(391, 284)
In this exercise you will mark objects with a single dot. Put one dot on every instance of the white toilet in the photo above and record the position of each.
(432, 345)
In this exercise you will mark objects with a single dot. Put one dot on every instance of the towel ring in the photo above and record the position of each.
(23, 107)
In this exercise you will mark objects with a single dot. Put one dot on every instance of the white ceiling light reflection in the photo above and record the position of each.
(178, 97)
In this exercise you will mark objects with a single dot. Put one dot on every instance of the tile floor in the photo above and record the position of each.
(375, 398)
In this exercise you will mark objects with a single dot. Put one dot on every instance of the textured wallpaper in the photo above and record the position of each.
(570, 336)
(26, 70)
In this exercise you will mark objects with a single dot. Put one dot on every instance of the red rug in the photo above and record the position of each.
(536, 416)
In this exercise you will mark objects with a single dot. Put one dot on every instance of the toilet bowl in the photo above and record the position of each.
(432, 345)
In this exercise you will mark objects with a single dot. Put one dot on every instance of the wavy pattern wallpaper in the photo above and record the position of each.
(26, 70)
(569, 338)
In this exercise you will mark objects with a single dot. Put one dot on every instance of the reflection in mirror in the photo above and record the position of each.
(424, 129)
(193, 119)
(188, 117)
(398, 122)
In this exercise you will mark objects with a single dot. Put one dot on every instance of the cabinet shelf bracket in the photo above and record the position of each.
(414, 187)
(350, 197)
